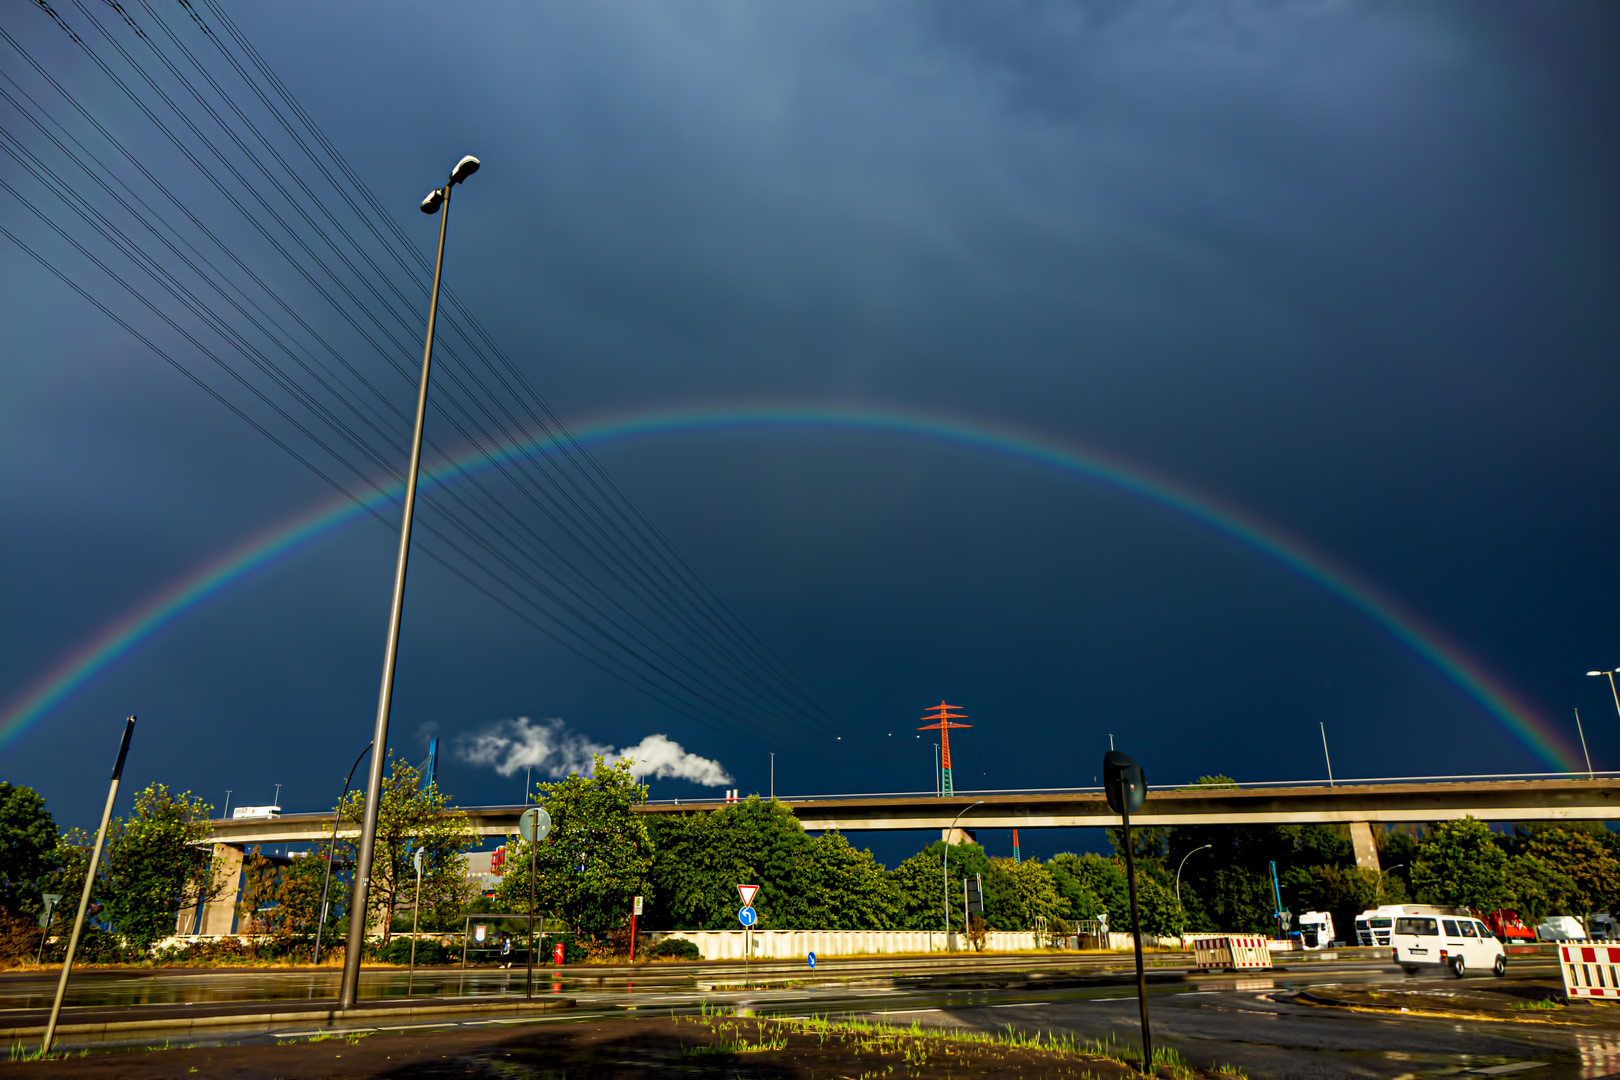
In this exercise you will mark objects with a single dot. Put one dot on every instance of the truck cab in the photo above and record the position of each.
(1374, 925)
(1316, 929)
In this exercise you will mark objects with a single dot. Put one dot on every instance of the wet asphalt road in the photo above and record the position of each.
(1251, 1022)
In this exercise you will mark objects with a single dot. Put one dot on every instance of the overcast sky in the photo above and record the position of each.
(1348, 269)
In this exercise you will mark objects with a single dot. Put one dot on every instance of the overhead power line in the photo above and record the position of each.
(551, 538)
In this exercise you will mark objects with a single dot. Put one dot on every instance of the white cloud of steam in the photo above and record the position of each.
(550, 748)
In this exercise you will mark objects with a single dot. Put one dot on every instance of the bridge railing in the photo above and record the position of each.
(1194, 785)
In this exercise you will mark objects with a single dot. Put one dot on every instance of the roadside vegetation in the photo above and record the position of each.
(157, 871)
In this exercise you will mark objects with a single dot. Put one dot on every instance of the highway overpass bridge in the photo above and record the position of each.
(1353, 804)
(1357, 804)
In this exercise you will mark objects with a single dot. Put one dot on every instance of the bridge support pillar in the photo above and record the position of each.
(219, 912)
(1361, 838)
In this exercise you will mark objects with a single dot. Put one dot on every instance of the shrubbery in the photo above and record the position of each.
(674, 949)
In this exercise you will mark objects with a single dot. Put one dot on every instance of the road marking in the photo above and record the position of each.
(1196, 993)
(1499, 1070)
(1019, 1005)
(897, 1012)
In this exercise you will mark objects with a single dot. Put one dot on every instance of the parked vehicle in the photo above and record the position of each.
(1433, 937)
(1374, 925)
(1509, 927)
(1604, 927)
(1561, 928)
(1316, 929)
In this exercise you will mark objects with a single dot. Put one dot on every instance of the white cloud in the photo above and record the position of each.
(549, 747)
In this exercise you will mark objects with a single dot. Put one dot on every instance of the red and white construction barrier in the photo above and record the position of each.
(1590, 970)
(1232, 952)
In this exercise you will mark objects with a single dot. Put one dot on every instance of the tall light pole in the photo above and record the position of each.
(1612, 690)
(1379, 894)
(945, 870)
(438, 201)
(1184, 859)
(331, 848)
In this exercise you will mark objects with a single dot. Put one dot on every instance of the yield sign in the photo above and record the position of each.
(747, 893)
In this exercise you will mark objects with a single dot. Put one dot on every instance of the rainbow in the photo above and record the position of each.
(119, 639)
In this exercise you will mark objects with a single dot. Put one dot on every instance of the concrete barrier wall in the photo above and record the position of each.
(795, 944)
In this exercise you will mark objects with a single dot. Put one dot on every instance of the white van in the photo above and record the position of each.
(1438, 937)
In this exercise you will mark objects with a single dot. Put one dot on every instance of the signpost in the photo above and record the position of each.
(416, 914)
(635, 910)
(1126, 786)
(748, 918)
(51, 899)
(534, 826)
(812, 961)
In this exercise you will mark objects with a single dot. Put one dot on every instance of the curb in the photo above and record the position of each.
(183, 1023)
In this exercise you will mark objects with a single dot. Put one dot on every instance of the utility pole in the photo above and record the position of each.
(773, 784)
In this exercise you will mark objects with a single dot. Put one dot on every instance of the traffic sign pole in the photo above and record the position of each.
(534, 825)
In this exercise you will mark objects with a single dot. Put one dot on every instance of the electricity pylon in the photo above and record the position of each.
(943, 716)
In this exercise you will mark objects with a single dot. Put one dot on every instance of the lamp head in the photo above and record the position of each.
(464, 168)
(434, 200)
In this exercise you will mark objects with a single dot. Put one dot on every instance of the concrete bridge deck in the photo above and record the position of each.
(1488, 800)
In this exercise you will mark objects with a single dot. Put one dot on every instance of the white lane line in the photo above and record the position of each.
(1130, 998)
(1195, 993)
(1019, 1005)
(897, 1012)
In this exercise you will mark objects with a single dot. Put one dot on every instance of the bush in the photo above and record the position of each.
(573, 951)
(430, 952)
(675, 949)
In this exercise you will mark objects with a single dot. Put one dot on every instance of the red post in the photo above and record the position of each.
(635, 909)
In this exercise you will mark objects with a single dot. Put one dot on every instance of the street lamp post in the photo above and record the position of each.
(438, 201)
(1184, 859)
(1379, 894)
(1612, 690)
(331, 848)
(945, 870)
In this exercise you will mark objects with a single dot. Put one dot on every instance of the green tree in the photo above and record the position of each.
(1022, 892)
(1460, 864)
(1092, 885)
(1585, 861)
(156, 861)
(701, 858)
(411, 818)
(598, 857)
(845, 888)
(28, 841)
(1538, 889)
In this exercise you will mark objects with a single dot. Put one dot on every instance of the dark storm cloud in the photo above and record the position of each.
(1348, 265)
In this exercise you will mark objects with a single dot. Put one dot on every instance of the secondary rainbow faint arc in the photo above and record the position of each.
(119, 638)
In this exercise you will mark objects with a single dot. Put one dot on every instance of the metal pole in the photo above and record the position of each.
(964, 908)
(1589, 774)
(945, 872)
(773, 776)
(1325, 753)
(528, 986)
(1615, 692)
(331, 848)
(349, 992)
(1136, 935)
(227, 812)
(416, 914)
(89, 883)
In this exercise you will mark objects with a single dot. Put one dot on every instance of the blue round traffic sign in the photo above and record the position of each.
(812, 959)
(747, 917)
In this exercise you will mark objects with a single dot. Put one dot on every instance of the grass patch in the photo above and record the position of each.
(919, 1048)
